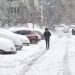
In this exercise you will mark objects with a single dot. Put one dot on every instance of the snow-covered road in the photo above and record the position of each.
(35, 60)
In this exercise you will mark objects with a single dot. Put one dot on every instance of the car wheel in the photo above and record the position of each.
(33, 41)
(2, 52)
(20, 48)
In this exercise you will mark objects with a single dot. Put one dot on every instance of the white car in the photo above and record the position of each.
(24, 39)
(7, 46)
(9, 35)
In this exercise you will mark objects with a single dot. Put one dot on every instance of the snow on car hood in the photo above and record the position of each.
(10, 35)
(23, 38)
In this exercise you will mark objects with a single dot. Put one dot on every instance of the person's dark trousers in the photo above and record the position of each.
(47, 42)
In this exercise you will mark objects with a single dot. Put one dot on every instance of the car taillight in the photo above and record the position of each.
(30, 37)
(36, 37)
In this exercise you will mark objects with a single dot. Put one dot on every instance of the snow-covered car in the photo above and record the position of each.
(9, 35)
(24, 39)
(62, 28)
(7, 46)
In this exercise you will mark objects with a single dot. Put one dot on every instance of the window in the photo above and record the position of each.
(10, 10)
(14, 10)
(18, 32)
(23, 32)
(18, 10)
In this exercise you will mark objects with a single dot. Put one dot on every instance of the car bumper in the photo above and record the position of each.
(26, 44)
(10, 52)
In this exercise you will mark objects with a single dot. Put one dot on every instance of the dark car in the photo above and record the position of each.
(32, 36)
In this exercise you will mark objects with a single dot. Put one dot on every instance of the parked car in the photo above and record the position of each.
(41, 34)
(7, 46)
(9, 35)
(32, 36)
(24, 39)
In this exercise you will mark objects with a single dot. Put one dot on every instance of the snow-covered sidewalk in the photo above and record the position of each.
(51, 63)
(71, 54)
(14, 64)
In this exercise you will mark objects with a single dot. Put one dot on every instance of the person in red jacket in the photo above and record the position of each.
(47, 35)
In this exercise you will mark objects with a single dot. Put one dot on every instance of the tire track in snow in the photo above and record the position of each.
(57, 65)
(71, 55)
(65, 70)
(32, 59)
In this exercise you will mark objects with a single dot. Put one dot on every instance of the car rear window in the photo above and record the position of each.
(23, 32)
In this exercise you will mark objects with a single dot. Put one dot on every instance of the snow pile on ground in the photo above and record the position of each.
(13, 64)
